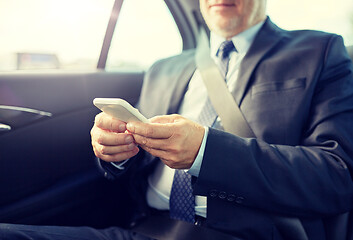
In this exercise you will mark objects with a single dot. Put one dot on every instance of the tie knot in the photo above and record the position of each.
(225, 48)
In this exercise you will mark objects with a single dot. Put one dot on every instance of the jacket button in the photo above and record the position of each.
(239, 200)
(222, 195)
(231, 198)
(213, 193)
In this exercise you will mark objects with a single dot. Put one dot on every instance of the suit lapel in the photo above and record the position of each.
(266, 39)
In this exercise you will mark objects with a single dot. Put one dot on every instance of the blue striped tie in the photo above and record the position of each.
(182, 201)
(223, 53)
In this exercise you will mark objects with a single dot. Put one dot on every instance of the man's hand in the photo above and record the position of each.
(110, 140)
(172, 138)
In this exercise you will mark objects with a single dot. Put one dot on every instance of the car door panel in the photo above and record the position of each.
(19, 116)
(57, 93)
(41, 150)
(47, 167)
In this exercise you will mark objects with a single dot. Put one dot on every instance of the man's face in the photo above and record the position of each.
(227, 18)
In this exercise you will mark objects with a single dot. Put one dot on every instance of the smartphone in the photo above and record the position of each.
(120, 109)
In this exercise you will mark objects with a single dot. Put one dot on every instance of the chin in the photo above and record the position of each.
(227, 28)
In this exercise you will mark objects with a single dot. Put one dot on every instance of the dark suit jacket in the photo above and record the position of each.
(294, 181)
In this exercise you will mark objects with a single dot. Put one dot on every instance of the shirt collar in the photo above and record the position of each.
(242, 41)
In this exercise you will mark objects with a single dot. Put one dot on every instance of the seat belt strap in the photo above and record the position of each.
(222, 100)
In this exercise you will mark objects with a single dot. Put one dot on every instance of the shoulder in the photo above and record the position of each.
(306, 45)
(272, 28)
(166, 72)
(165, 82)
(174, 63)
(322, 44)
(310, 38)
(314, 37)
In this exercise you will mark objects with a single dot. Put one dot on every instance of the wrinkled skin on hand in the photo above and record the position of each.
(173, 138)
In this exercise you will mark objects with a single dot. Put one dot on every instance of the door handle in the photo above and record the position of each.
(17, 117)
(4, 127)
(26, 110)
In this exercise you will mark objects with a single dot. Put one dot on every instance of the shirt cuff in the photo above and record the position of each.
(120, 165)
(196, 166)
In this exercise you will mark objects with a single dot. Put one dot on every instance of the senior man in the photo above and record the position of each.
(291, 180)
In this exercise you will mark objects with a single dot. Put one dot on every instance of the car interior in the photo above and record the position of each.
(48, 172)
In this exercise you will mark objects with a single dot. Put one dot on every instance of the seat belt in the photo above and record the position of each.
(232, 118)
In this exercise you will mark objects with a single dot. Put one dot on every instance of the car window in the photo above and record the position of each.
(145, 32)
(330, 16)
(66, 34)
(52, 34)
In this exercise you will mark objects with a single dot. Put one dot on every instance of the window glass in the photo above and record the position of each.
(52, 34)
(330, 16)
(145, 32)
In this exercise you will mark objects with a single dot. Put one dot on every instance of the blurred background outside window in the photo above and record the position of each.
(68, 34)
(52, 34)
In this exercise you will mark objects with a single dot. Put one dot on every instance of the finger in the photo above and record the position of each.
(117, 157)
(173, 164)
(104, 121)
(163, 119)
(112, 150)
(150, 130)
(155, 143)
(106, 138)
(156, 152)
(165, 158)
